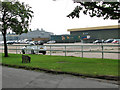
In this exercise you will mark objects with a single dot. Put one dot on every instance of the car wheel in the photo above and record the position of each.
(23, 51)
(44, 52)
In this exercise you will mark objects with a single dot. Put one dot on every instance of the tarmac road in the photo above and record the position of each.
(19, 78)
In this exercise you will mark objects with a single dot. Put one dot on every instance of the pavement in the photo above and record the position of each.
(19, 78)
(0, 77)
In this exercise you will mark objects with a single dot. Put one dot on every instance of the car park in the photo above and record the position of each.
(40, 43)
(117, 41)
(109, 40)
(16, 42)
(20, 42)
(36, 43)
(31, 43)
(10, 42)
(98, 41)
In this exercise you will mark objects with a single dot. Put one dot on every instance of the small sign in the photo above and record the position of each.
(26, 59)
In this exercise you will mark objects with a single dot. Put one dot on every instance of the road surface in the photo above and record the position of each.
(19, 78)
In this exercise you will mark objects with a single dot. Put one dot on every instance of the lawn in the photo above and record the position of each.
(88, 66)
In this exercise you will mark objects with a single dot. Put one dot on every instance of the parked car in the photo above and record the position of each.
(36, 43)
(21, 41)
(1, 42)
(34, 49)
(31, 43)
(16, 42)
(40, 43)
(51, 42)
(98, 41)
(109, 41)
(116, 41)
(10, 42)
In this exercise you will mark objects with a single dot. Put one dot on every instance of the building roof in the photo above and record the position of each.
(93, 28)
(12, 35)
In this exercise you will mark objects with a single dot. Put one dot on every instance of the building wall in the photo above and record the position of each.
(9, 37)
(12, 37)
(65, 38)
(40, 39)
(98, 34)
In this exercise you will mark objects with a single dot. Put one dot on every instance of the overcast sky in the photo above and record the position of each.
(51, 16)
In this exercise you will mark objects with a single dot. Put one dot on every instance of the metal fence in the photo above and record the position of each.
(70, 50)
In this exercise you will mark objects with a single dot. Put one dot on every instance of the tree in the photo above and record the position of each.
(107, 10)
(15, 16)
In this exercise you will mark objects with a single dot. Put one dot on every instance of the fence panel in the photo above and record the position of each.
(71, 50)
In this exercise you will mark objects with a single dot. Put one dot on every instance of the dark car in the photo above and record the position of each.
(109, 41)
(40, 42)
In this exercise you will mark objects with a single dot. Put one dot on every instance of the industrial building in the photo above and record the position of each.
(86, 35)
(36, 35)
(93, 33)
(66, 38)
(10, 37)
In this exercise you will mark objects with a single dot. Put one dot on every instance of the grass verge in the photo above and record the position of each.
(76, 65)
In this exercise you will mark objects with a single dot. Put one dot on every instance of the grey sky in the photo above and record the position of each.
(51, 16)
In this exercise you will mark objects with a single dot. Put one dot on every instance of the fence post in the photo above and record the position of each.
(65, 50)
(102, 52)
(82, 50)
(16, 49)
(50, 49)
(37, 49)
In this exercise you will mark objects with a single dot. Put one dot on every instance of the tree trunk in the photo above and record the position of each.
(4, 34)
(5, 46)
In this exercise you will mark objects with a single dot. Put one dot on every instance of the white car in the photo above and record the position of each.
(10, 42)
(109, 40)
(1, 42)
(31, 43)
(51, 42)
(98, 41)
(34, 49)
(116, 41)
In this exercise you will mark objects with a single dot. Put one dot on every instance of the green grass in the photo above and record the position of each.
(89, 66)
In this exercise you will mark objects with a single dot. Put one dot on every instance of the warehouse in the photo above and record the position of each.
(93, 33)
(65, 38)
